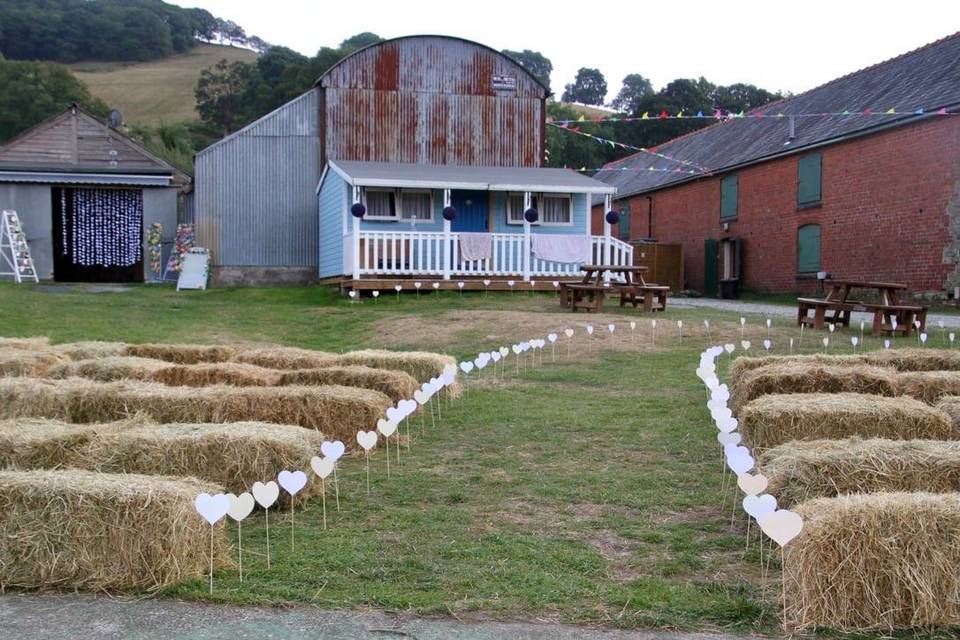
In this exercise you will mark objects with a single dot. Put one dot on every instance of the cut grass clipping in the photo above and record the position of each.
(234, 455)
(875, 561)
(339, 412)
(803, 470)
(812, 377)
(86, 530)
(777, 418)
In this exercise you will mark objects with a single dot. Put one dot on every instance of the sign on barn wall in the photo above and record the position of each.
(504, 82)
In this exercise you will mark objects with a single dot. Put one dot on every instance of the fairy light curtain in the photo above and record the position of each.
(102, 227)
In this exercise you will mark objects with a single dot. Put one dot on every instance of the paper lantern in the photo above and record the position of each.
(358, 210)
(613, 217)
(449, 213)
(531, 215)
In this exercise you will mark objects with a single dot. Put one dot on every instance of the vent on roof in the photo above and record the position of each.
(791, 130)
(115, 118)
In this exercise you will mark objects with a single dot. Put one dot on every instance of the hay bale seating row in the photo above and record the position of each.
(87, 530)
(802, 470)
(339, 412)
(774, 419)
(233, 455)
(875, 561)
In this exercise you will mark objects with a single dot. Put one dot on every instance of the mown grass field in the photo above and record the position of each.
(585, 490)
(159, 90)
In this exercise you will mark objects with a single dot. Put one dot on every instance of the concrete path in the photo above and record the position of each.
(81, 617)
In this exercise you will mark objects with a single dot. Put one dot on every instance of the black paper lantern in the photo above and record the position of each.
(613, 217)
(449, 213)
(531, 215)
(358, 210)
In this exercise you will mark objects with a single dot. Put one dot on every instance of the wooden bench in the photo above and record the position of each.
(905, 314)
(585, 296)
(841, 312)
(653, 296)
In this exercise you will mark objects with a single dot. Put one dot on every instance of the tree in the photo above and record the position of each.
(534, 62)
(635, 88)
(737, 97)
(35, 91)
(220, 92)
(589, 87)
(360, 41)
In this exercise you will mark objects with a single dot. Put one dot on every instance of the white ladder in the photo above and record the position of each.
(14, 250)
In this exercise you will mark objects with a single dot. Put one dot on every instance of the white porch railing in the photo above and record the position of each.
(402, 253)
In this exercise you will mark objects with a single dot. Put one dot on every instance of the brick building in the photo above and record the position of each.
(869, 195)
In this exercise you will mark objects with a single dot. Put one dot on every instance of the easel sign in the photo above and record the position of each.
(194, 270)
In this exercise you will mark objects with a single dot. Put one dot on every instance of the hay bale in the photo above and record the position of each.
(745, 364)
(803, 470)
(149, 370)
(419, 364)
(812, 377)
(339, 412)
(777, 418)
(286, 358)
(109, 368)
(875, 561)
(85, 530)
(25, 344)
(395, 384)
(89, 349)
(35, 443)
(929, 386)
(25, 362)
(950, 406)
(915, 359)
(180, 353)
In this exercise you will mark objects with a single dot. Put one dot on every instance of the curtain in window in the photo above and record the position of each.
(415, 204)
(380, 203)
(515, 207)
(555, 210)
(102, 227)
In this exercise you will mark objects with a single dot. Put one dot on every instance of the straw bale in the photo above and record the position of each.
(875, 561)
(286, 358)
(180, 353)
(337, 411)
(86, 530)
(26, 344)
(36, 443)
(89, 349)
(929, 386)
(421, 365)
(25, 362)
(777, 418)
(745, 364)
(806, 469)
(812, 377)
(398, 385)
(915, 359)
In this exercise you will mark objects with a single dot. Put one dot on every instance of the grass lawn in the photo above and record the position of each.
(586, 490)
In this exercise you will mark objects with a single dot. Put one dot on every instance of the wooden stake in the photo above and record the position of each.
(240, 546)
(323, 495)
(336, 486)
(268, 536)
(293, 527)
(211, 559)
(367, 453)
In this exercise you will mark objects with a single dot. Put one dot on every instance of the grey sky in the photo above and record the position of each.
(791, 45)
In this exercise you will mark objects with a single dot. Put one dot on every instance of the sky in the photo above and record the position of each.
(790, 46)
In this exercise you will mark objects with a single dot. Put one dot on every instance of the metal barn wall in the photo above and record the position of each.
(255, 201)
(34, 204)
(432, 100)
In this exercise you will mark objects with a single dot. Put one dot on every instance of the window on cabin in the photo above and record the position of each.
(416, 204)
(515, 208)
(556, 210)
(381, 203)
(809, 174)
(729, 188)
(808, 248)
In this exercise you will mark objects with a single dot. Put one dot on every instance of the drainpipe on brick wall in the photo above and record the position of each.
(650, 217)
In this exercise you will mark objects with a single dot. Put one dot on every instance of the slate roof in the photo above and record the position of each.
(927, 78)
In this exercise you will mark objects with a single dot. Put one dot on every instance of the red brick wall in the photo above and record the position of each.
(883, 212)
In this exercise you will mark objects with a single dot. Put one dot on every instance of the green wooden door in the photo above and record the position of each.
(711, 249)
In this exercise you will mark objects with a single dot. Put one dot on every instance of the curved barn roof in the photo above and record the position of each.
(324, 80)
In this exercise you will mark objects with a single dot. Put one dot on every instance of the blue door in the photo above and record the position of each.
(471, 209)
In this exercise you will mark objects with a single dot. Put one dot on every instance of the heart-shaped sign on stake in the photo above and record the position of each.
(420, 397)
(353, 295)
(745, 345)
(728, 438)
(751, 484)
(611, 327)
(323, 467)
(292, 482)
(332, 450)
(240, 508)
(266, 493)
(781, 525)
(886, 344)
(741, 463)
(568, 332)
(466, 367)
(767, 344)
(376, 294)
(212, 508)
(387, 428)
(367, 440)
(590, 329)
(729, 347)
(854, 340)
(757, 505)
(923, 338)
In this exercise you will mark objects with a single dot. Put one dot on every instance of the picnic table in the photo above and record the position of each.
(590, 292)
(889, 315)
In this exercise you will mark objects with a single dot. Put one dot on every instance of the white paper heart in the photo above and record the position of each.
(418, 284)
(480, 363)
(768, 323)
(265, 493)
(886, 344)
(590, 329)
(826, 341)
(407, 407)
(751, 484)
(745, 344)
(679, 324)
(333, 450)
(212, 507)
(398, 288)
(449, 378)
(781, 526)
(721, 393)
(323, 467)
(725, 438)
(376, 294)
(516, 349)
(633, 325)
(611, 327)
(436, 285)
(486, 283)
(292, 481)
(734, 450)
(568, 332)
(394, 414)
(756, 505)
(712, 382)
(504, 352)
(367, 439)
(767, 344)
(510, 283)
(743, 321)
(495, 356)
(552, 337)
(832, 327)
(729, 347)
(923, 338)
(951, 335)
(386, 427)
(466, 367)
(420, 397)
(740, 464)
(854, 340)
(240, 506)
(352, 294)
(460, 284)
(450, 369)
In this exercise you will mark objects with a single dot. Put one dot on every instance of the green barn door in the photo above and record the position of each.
(711, 250)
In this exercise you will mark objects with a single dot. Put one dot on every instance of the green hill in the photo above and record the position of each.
(159, 90)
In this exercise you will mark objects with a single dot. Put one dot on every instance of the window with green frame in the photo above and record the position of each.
(808, 248)
(809, 174)
(624, 225)
(729, 188)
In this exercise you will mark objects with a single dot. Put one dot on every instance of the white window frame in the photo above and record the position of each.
(540, 197)
(403, 192)
(369, 216)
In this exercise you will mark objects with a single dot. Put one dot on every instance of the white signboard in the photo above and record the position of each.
(194, 270)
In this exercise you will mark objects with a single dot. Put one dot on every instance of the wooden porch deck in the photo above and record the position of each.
(470, 283)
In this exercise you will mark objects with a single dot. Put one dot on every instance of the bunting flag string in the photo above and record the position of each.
(637, 169)
(622, 145)
(721, 115)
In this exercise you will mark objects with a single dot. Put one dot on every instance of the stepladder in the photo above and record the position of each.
(15, 258)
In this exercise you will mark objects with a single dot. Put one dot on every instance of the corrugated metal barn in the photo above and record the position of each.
(417, 99)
